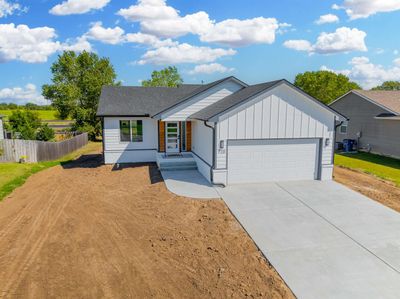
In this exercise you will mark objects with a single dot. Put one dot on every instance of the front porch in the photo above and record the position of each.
(180, 161)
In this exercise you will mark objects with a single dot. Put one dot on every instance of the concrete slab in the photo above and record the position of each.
(317, 236)
(189, 183)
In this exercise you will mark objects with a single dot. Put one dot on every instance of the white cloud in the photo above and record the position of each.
(70, 7)
(329, 18)
(298, 45)
(148, 10)
(117, 35)
(27, 44)
(163, 21)
(148, 39)
(395, 52)
(342, 40)
(369, 75)
(234, 32)
(22, 95)
(111, 36)
(357, 9)
(210, 69)
(34, 45)
(7, 8)
(78, 45)
(184, 53)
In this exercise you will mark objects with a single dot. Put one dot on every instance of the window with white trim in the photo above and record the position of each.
(131, 130)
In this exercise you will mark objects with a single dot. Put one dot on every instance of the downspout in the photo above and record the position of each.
(334, 140)
(213, 151)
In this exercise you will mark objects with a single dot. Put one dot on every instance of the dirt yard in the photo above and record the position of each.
(382, 191)
(86, 230)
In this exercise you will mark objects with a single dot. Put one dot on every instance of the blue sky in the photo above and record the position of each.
(255, 40)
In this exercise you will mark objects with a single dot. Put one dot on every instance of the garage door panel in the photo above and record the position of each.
(252, 161)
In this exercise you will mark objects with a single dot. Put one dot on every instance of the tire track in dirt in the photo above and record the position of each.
(33, 250)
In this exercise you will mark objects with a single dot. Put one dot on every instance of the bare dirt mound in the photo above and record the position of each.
(382, 191)
(87, 230)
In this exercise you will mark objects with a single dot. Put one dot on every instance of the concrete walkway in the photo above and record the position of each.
(189, 183)
(325, 240)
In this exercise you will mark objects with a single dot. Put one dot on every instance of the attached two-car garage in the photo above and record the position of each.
(263, 160)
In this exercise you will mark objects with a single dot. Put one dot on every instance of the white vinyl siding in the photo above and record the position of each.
(266, 160)
(183, 111)
(202, 147)
(117, 151)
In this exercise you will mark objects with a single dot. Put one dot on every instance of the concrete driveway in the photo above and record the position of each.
(325, 240)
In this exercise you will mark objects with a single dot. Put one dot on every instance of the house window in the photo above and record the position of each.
(131, 130)
(124, 131)
(137, 130)
(343, 128)
(183, 133)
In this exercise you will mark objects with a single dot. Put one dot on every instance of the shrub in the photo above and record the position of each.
(45, 133)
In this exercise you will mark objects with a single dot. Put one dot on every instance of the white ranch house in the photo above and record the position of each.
(230, 131)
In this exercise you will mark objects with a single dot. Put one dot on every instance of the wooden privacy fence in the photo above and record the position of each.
(12, 150)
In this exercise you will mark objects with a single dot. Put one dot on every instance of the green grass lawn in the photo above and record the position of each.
(382, 167)
(13, 175)
(43, 114)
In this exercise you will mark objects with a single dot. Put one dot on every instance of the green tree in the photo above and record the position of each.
(24, 122)
(388, 85)
(324, 85)
(168, 77)
(76, 86)
(45, 133)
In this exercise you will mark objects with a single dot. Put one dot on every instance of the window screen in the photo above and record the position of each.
(137, 130)
(124, 131)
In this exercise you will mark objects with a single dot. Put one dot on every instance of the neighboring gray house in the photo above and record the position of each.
(374, 120)
(230, 131)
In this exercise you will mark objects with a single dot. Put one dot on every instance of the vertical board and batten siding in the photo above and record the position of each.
(202, 147)
(116, 151)
(197, 103)
(12, 150)
(278, 114)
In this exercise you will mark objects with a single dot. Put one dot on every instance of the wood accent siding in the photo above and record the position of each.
(188, 136)
(161, 136)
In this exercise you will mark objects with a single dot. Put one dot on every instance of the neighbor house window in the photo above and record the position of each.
(343, 128)
(137, 130)
(131, 130)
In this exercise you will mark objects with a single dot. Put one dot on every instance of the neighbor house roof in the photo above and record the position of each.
(232, 100)
(143, 101)
(389, 99)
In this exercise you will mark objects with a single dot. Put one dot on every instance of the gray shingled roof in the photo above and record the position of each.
(136, 100)
(233, 100)
(387, 98)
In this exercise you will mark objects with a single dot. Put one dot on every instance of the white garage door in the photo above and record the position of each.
(256, 161)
